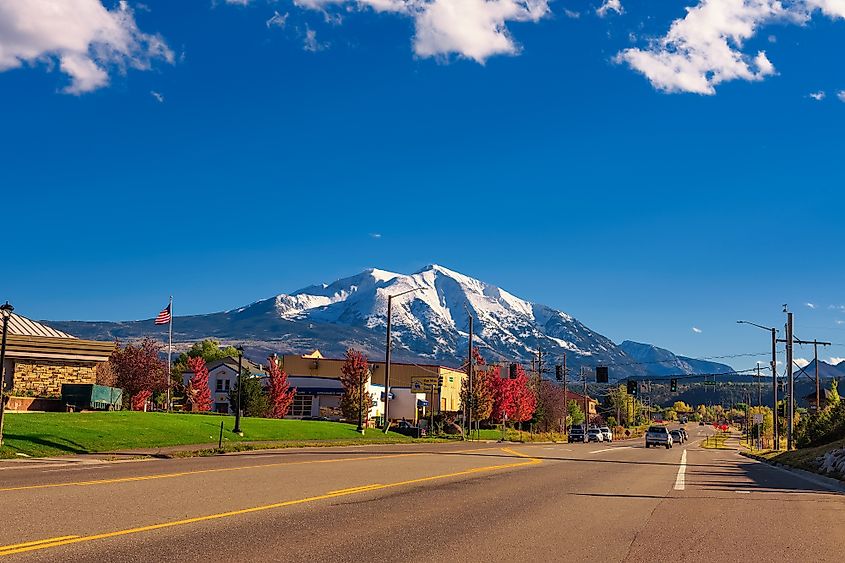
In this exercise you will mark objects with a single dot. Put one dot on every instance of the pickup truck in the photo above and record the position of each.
(658, 436)
(576, 434)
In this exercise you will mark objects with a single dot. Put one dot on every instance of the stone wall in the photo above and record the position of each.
(44, 378)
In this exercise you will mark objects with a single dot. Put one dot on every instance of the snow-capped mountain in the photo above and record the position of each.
(659, 361)
(430, 321)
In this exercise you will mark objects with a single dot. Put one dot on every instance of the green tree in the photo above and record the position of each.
(254, 400)
(208, 349)
(681, 407)
(671, 414)
(576, 415)
(833, 398)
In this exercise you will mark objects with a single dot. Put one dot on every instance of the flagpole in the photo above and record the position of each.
(169, 351)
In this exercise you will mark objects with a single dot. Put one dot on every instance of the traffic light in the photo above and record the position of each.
(632, 387)
(673, 385)
(559, 372)
(440, 381)
(601, 374)
(512, 371)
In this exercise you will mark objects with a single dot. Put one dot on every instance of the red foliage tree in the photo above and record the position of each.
(139, 399)
(198, 393)
(279, 391)
(355, 373)
(138, 368)
(513, 399)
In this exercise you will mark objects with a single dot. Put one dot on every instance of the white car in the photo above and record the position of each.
(606, 434)
(595, 435)
(658, 436)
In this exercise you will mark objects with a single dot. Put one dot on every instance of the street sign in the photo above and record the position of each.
(392, 396)
(421, 384)
(758, 418)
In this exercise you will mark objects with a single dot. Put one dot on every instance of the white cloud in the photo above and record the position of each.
(158, 96)
(610, 6)
(704, 48)
(278, 20)
(810, 305)
(801, 362)
(834, 360)
(571, 14)
(87, 40)
(701, 50)
(841, 95)
(474, 29)
(840, 322)
(697, 330)
(375, 235)
(818, 96)
(310, 42)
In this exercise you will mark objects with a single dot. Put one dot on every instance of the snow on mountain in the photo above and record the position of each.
(430, 321)
(661, 362)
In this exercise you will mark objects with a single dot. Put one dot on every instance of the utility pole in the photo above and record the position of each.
(816, 345)
(791, 380)
(565, 400)
(469, 374)
(586, 403)
(388, 346)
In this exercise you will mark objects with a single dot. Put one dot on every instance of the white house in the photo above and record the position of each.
(222, 375)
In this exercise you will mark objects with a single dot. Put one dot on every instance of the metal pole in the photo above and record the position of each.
(775, 432)
(816, 361)
(237, 429)
(470, 373)
(169, 351)
(586, 405)
(387, 367)
(7, 312)
(791, 379)
(360, 405)
(565, 399)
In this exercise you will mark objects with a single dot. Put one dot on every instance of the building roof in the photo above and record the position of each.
(232, 363)
(22, 326)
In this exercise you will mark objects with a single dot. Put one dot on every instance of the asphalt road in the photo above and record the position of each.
(434, 502)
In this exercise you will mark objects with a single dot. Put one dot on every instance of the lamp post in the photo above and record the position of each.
(6, 312)
(237, 428)
(774, 363)
(387, 357)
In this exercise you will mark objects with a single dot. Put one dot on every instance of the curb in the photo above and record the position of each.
(815, 478)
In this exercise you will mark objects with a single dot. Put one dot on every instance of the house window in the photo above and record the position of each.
(219, 385)
(223, 385)
(301, 405)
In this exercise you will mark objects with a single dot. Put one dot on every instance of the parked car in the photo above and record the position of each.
(606, 434)
(658, 436)
(677, 436)
(407, 429)
(684, 432)
(595, 435)
(576, 434)
(701, 423)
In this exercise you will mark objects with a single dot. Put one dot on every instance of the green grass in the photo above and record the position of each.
(716, 442)
(805, 458)
(51, 434)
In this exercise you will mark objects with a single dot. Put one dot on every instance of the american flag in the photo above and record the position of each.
(164, 317)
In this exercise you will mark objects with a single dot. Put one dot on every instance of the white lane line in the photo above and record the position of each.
(680, 480)
(611, 449)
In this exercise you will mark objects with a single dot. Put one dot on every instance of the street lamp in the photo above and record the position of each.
(237, 429)
(387, 357)
(774, 363)
(6, 312)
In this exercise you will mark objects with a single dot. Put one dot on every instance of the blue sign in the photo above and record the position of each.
(392, 396)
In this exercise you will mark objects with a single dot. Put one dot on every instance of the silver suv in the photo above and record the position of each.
(658, 436)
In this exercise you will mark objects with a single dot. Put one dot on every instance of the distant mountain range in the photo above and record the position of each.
(430, 322)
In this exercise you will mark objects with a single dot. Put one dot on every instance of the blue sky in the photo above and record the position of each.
(208, 150)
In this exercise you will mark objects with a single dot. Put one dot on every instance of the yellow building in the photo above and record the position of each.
(407, 384)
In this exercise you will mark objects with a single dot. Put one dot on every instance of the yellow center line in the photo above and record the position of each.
(36, 542)
(57, 542)
(199, 472)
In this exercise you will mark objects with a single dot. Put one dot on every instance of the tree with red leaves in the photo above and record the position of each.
(198, 393)
(139, 400)
(279, 391)
(138, 368)
(513, 399)
(355, 373)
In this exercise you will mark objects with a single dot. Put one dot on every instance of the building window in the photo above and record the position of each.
(223, 385)
(301, 405)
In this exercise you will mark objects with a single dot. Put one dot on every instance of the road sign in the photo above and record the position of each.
(392, 396)
(421, 384)
(758, 418)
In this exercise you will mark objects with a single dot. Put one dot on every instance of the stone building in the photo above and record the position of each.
(40, 358)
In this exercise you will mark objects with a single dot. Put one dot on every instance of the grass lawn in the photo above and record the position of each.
(716, 442)
(50, 434)
(803, 458)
